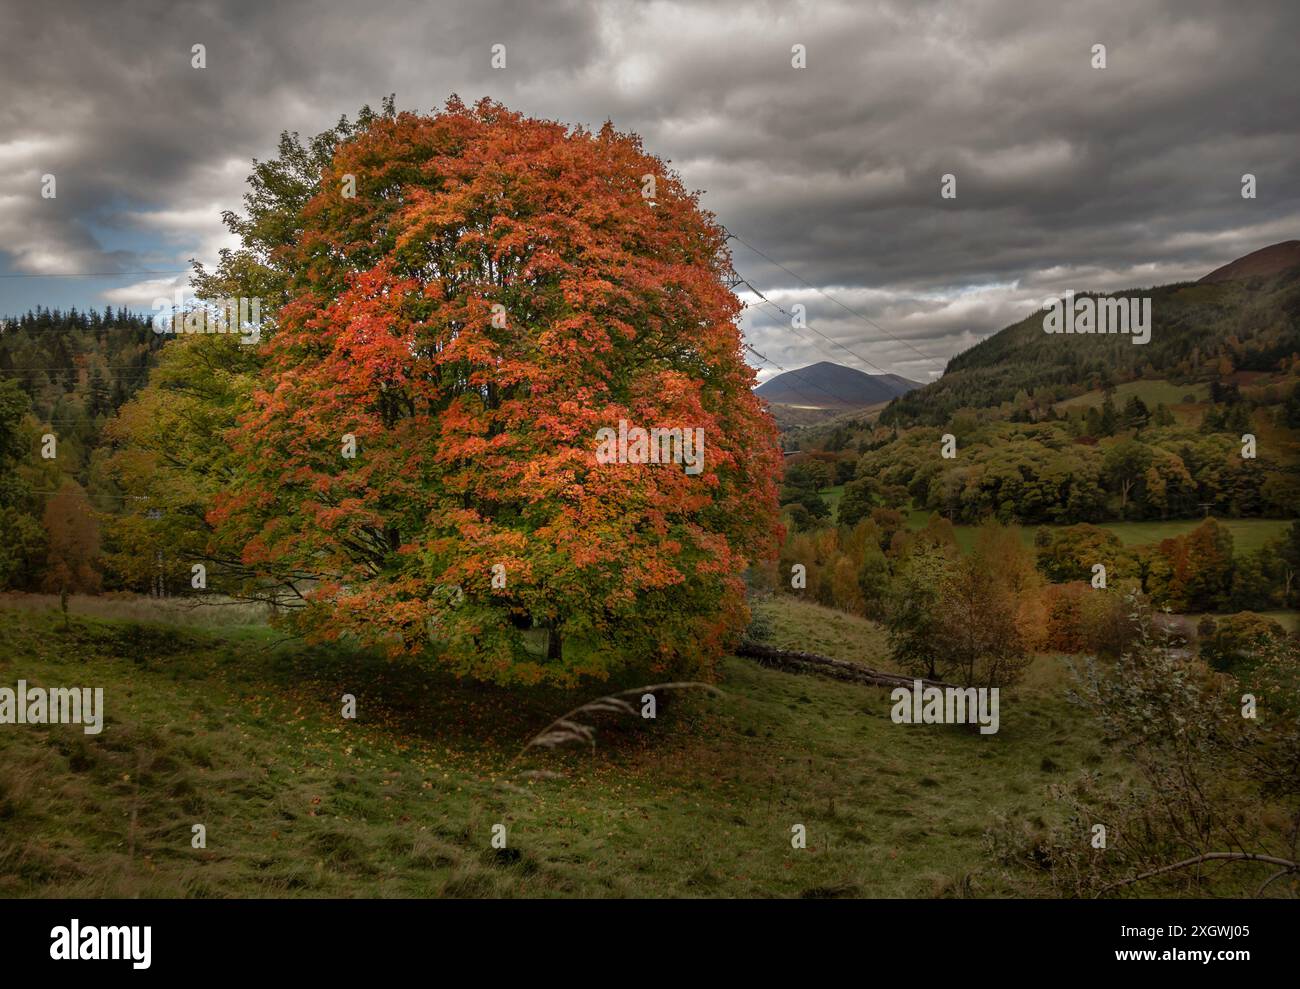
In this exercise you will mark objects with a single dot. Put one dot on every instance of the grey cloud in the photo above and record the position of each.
(1067, 176)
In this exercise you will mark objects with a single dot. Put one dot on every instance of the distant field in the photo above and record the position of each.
(1152, 393)
(833, 497)
(1289, 620)
(1248, 535)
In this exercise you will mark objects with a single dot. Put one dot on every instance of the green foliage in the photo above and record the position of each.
(973, 618)
(1233, 643)
(24, 540)
(1194, 326)
(861, 497)
(77, 369)
(915, 612)
(1035, 473)
(1136, 415)
(804, 479)
(1207, 779)
(1071, 553)
(1291, 411)
(168, 458)
(760, 626)
(874, 579)
(1123, 469)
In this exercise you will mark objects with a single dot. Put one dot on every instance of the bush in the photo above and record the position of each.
(1064, 616)
(1235, 641)
(1082, 619)
(760, 626)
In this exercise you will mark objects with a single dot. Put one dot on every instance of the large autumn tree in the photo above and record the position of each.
(498, 290)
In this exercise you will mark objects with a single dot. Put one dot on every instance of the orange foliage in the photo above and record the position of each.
(475, 435)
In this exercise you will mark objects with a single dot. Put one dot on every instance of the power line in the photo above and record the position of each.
(812, 343)
(76, 367)
(839, 398)
(769, 360)
(866, 319)
(809, 326)
(92, 274)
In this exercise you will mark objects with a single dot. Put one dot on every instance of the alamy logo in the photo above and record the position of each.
(653, 446)
(922, 705)
(77, 943)
(55, 706)
(1101, 315)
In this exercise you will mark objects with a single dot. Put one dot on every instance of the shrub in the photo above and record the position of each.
(1235, 641)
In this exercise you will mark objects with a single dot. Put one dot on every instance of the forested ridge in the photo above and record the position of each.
(1201, 333)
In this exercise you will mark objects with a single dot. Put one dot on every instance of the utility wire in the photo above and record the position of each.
(866, 319)
(812, 343)
(839, 398)
(807, 325)
(91, 274)
(763, 357)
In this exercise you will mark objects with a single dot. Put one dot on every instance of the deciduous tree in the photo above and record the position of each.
(497, 292)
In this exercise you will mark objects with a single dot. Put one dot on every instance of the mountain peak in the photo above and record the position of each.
(832, 386)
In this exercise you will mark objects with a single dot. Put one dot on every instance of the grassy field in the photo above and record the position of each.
(1289, 620)
(1248, 535)
(1152, 393)
(833, 497)
(226, 728)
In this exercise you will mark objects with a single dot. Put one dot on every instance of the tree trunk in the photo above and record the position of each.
(553, 643)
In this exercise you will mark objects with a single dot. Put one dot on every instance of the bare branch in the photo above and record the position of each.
(566, 728)
(1288, 866)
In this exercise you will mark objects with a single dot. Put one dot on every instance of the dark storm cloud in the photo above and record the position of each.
(1067, 176)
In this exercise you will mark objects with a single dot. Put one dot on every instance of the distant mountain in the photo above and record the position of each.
(1244, 316)
(1266, 261)
(833, 386)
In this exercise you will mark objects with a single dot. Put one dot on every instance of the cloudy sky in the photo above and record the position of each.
(1067, 176)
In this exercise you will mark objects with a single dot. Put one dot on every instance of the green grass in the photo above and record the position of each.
(1289, 620)
(1152, 392)
(226, 728)
(833, 497)
(1248, 535)
(809, 627)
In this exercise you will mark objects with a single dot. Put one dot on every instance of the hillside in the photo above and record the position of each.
(1051, 430)
(76, 370)
(221, 727)
(1201, 331)
(1267, 261)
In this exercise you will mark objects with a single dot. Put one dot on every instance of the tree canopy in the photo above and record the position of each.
(415, 449)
